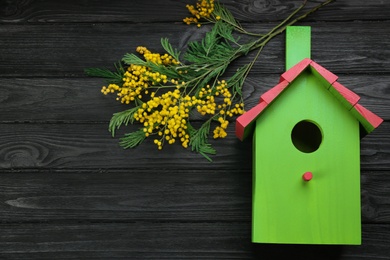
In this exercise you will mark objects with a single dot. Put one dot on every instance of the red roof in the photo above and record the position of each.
(368, 120)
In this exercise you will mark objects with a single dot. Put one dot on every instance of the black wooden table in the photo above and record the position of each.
(69, 191)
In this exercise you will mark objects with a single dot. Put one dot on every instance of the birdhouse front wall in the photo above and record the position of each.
(305, 129)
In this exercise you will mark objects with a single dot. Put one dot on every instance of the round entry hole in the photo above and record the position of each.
(306, 136)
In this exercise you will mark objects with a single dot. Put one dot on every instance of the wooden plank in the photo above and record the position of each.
(55, 100)
(81, 146)
(145, 240)
(133, 240)
(140, 11)
(346, 10)
(67, 49)
(374, 197)
(126, 195)
(91, 146)
(178, 194)
(60, 99)
(95, 11)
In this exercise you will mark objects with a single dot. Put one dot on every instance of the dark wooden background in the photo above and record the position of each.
(68, 191)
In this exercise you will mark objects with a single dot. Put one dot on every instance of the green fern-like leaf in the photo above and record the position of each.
(169, 49)
(225, 31)
(108, 75)
(237, 80)
(133, 139)
(215, 73)
(225, 14)
(169, 71)
(121, 118)
(198, 140)
(214, 49)
(131, 58)
(199, 52)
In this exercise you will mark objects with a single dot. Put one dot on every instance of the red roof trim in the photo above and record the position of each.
(274, 92)
(329, 76)
(295, 70)
(347, 94)
(245, 120)
(367, 119)
(373, 119)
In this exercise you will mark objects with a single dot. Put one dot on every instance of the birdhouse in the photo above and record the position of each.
(306, 153)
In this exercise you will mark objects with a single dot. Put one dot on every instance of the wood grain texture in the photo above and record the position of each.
(61, 146)
(140, 240)
(75, 47)
(68, 191)
(24, 146)
(130, 195)
(127, 195)
(60, 99)
(149, 11)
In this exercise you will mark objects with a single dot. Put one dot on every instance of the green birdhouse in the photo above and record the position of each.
(306, 153)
